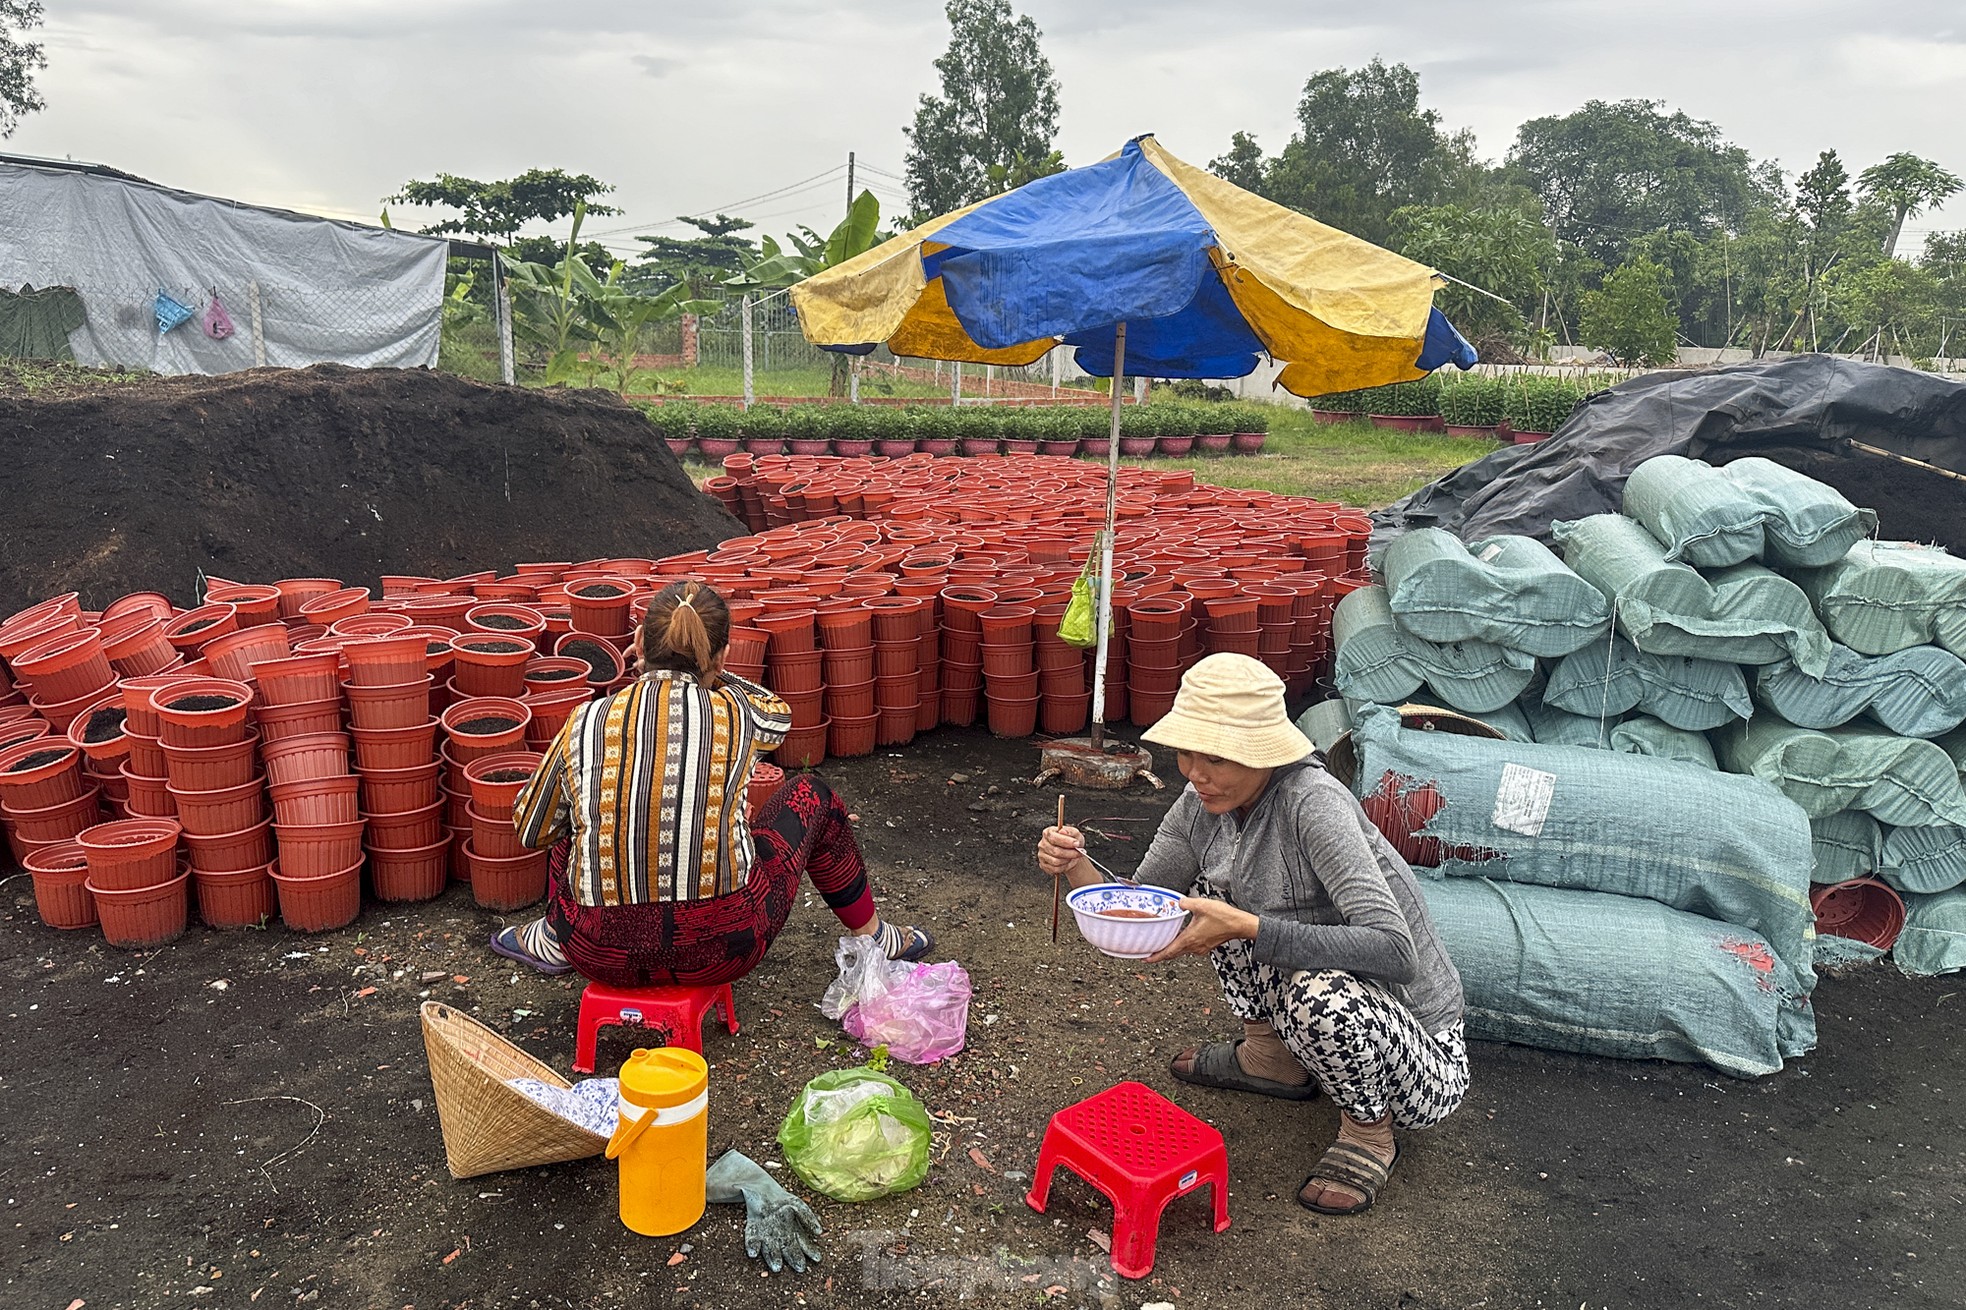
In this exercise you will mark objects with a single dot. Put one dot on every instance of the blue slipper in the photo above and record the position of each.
(506, 943)
(920, 943)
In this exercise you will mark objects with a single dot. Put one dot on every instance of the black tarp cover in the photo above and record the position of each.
(1803, 412)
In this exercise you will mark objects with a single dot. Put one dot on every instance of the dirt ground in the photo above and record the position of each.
(246, 1120)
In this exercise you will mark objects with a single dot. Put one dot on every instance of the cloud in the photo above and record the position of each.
(656, 66)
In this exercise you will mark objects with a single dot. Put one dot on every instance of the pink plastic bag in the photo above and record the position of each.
(218, 323)
(920, 1012)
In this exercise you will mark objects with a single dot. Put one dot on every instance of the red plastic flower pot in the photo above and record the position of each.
(398, 791)
(229, 852)
(803, 748)
(850, 700)
(407, 830)
(747, 645)
(599, 605)
(333, 606)
(228, 809)
(928, 711)
(506, 884)
(296, 592)
(962, 606)
(309, 755)
(895, 727)
(845, 629)
(1007, 660)
(603, 659)
(494, 835)
(61, 894)
(1063, 682)
(319, 904)
(1011, 687)
(1231, 613)
(1006, 625)
(372, 624)
(315, 801)
(400, 705)
(148, 797)
(496, 780)
(898, 693)
(61, 822)
(40, 772)
(959, 707)
(1158, 618)
(1235, 643)
(61, 715)
(211, 768)
(235, 653)
(201, 712)
(796, 674)
(191, 631)
(419, 874)
(1148, 708)
(141, 918)
(485, 725)
(298, 679)
(33, 626)
(253, 606)
(550, 713)
(485, 664)
(279, 722)
(152, 604)
(789, 632)
(849, 667)
(395, 748)
(130, 853)
(506, 620)
(391, 660)
(64, 667)
(895, 618)
(99, 729)
(234, 898)
(1154, 682)
(853, 735)
(896, 658)
(1862, 909)
(25, 725)
(551, 673)
(309, 850)
(807, 707)
(1061, 716)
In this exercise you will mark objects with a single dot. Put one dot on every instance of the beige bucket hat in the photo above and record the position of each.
(1231, 706)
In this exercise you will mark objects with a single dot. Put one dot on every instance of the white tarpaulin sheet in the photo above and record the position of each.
(298, 290)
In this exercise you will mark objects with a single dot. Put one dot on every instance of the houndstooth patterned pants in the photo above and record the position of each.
(1364, 1047)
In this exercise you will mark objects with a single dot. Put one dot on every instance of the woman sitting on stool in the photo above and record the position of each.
(1313, 922)
(656, 876)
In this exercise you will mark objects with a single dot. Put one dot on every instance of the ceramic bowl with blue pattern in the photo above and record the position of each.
(1147, 918)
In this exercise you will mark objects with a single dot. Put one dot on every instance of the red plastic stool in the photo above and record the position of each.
(1142, 1151)
(675, 1014)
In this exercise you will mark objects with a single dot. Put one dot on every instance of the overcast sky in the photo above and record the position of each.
(327, 106)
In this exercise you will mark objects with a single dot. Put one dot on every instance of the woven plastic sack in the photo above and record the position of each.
(1750, 509)
(1916, 692)
(1727, 848)
(1923, 859)
(1898, 780)
(856, 1135)
(1934, 936)
(1079, 627)
(1641, 734)
(1844, 845)
(1550, 726)
(1617, 976)
(920, 1012)
(1606, 681)
(1744, 614)
(1510, 721)
(1506, 591)
(1954, 745)
(1376, 660)
(1890, 595)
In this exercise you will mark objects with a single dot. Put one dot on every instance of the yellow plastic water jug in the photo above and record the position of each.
(662, 1140)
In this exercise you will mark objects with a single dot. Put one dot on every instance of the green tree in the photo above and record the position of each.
(701, 263)
(1945, 260)
(1905, 184)
(810, 253)
(999, 101)
(497, 210)
(1628, 316)
(19, 61)
(1892, 303)
(1243, 165)
(1610, 173)
(1362, 149)
(1020, 170)
(1500, 250)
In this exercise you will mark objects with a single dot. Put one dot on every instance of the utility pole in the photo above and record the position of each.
(849, 181)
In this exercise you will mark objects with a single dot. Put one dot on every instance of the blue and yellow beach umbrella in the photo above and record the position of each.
(1206, 277)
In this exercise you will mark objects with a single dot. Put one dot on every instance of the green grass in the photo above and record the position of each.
(1353, 463)
(808, 381)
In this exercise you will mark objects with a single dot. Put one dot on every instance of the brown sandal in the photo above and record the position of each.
(1349, 1166)
(1214, 1064)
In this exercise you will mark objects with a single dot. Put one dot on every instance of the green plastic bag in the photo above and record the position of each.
(856, 1135)
(1079, 627)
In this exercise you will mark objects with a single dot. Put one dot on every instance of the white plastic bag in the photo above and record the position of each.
(920, 1012)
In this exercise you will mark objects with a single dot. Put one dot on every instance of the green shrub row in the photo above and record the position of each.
(684, 420)
(1527, 402)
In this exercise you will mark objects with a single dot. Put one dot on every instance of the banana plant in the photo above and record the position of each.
(555, 305)
(777, 267)
(619, 315)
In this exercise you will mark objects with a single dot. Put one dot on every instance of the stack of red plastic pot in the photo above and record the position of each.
(1064, 688)
(390, 689)
(214, 788)
(135, 881)
(46, 801)
(505, 874)
(847, 668)
(1010, 674)
(477, 729)
(792, 669)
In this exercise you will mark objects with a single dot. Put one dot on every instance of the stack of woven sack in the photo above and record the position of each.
(1735, 620)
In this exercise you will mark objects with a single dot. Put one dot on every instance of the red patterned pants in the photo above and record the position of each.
(802, 829)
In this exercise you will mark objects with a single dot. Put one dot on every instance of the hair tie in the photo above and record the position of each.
(685, 601)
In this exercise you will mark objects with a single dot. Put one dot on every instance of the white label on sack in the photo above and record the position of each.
(1490, 551)
(1522, 802)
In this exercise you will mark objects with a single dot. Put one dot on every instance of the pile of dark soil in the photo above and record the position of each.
(327, 471)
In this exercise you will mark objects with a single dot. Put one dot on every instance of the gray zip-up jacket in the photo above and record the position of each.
(1327, 889)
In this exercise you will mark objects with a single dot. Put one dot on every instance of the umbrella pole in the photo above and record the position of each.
(1103, 607)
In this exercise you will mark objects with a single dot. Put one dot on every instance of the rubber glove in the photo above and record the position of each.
(777, 1225)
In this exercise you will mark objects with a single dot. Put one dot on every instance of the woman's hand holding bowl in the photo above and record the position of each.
(1210, 924)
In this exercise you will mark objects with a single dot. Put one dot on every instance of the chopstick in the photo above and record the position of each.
(1057, 880)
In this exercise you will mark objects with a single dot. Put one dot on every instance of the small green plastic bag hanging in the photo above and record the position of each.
(1079, 627)
(856, 1135)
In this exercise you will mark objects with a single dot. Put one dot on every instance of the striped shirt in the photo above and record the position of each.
(650, 784)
